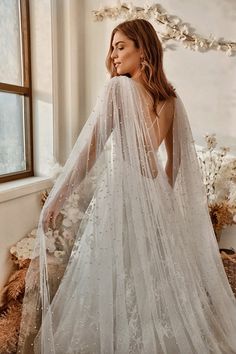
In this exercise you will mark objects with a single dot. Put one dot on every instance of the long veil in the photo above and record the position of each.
(133, 265)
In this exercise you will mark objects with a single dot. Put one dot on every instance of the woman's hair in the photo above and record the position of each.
(144, 36)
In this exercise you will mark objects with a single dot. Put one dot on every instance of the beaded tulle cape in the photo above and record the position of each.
(133, 265)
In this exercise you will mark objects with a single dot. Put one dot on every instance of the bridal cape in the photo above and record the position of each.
(133, 265)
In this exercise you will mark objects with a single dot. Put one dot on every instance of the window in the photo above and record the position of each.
(16, 145)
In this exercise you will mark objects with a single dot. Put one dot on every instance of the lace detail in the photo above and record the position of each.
(135, 345)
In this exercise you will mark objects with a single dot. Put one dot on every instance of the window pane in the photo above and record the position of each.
(10, 42)
(12, 147)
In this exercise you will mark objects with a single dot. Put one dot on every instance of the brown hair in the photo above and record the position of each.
(144, 36)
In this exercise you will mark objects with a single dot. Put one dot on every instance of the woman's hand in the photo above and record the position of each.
(52, 212)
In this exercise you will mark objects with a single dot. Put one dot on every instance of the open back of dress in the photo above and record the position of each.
(135, 266)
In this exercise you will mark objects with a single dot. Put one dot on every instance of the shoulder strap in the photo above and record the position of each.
(161, 108)
(158, 114)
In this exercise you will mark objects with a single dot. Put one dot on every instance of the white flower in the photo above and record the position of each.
(33, 232)
(66, 222)
(76, 197)
(225, 149)
(50, 241)
(80, 215)
(146, 8)
(211, 40)
(170, 31)
(49, 233)
(176, 21)
(131, 7)
(56, 234)
(13, 250)
(211, 141)
(67, 235)
(24, 248)
(187, 44)
(72, 214)
(59, 254)
(50, 244)
(184, 29)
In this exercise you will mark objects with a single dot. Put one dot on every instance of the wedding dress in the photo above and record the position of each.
(134, 266)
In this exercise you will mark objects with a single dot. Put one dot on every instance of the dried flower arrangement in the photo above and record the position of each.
(11, 304)
(172, 27)
(219, 177)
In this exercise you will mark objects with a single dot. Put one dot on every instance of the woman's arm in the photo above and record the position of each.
(165, 133)
(82, 166)
(169, 150)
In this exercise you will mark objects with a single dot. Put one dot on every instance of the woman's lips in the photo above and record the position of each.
(117, 64)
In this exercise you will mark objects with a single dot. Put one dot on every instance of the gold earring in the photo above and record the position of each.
(143, 64)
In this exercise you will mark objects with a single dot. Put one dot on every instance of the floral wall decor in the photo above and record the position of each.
(171, 27)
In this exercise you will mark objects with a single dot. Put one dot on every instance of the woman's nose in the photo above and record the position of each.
(113, 54)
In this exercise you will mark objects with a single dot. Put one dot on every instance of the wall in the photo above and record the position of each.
(68, 38)
(18, 216)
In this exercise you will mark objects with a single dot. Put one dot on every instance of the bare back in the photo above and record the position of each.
(161, 122)
(159, 126)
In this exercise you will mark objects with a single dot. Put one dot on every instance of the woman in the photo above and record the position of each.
(133, 265)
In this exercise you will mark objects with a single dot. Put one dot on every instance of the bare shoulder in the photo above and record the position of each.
(170, 104)
(166, 108)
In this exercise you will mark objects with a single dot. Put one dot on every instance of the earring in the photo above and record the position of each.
(142, 63)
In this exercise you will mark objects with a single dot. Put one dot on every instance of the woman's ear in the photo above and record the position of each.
(141, 53)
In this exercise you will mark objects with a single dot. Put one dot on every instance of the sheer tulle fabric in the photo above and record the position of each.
(134, 266)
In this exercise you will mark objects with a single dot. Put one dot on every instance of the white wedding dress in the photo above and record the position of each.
(134, 266)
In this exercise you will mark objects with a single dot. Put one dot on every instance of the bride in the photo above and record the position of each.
(126, 259)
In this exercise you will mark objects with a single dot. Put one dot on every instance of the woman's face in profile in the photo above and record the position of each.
(125, 55)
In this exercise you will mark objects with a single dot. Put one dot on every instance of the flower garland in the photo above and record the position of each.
(173, 27)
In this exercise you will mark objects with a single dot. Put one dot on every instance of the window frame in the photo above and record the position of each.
(26, 91)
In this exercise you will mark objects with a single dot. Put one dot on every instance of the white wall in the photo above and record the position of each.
(68, 74)
(18, 216)
(41, 60)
